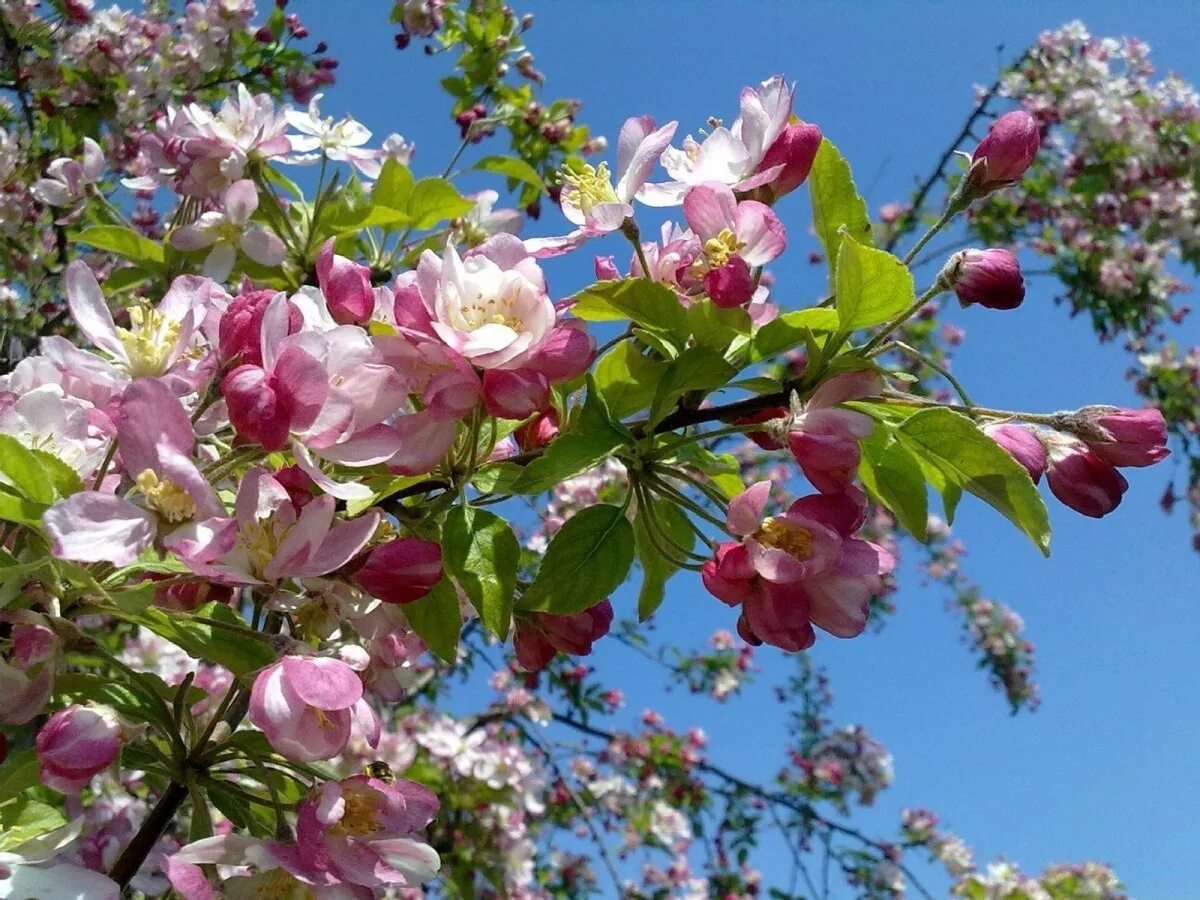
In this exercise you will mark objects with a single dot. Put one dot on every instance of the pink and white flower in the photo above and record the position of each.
(733, 238)
(319, 136)
(75, 745)
(308, 706)
(228, 231)
(825, 439)
(67, 180)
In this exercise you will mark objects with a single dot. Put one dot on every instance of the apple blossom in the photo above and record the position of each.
(401, 570)
(825, 439)
(1125, 437)
(1023, 445)
(346, 287)
(307, 707)
(1008, 150)
(991, 278)
(733, 236)
(67, 180)
(228, 231)
(75, 744)
(1082, 479)
(539, 636)
(27, 669)
(323, 137)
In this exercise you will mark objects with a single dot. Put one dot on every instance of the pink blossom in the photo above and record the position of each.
(1083, 480)
(228, 231)
(1009, 149)
(793, 155)
(733, 237)
(27, 673)
(75, 745)
(539, 636)
(367, 832)
(240, 327)
(67, 180)
(515, 394)
(276, 868)
(797, 570)
(346, 287)
(401, 570)
(307, 707)
(1126, 437)
(825, 439)
(991, 278)
(171, 501)
(269, 541)
(1022, 445)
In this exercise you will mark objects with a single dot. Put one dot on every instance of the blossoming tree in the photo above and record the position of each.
(280, 467)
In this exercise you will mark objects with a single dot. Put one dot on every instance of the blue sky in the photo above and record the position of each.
(1106, 768)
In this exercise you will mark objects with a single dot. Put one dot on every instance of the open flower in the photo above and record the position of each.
(226, 232)
(307, 706)
(67, 179)
(796, 570)
(45, 419)
(733, 237)
(825, 439)
(589, 198)
(170, 501)
(340, 140)
(369, 831)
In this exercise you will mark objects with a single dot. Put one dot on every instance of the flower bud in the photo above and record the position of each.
(730, 285)
(1125, 437)
(539, 637)
(1022, 445)
(1006, 153)
(765, 439)
(515, 393)
(991, 278)
(75, 745)
(796, 150)
(346, 286)
(1082, 480)
(402, 570)
(240, 329)
(537, 433)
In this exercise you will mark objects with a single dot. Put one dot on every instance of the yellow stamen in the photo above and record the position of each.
(794, 540)
(261, 540)
(165, 497)
(718, 250)
(149, 341)
(361, 815)
(592, 186)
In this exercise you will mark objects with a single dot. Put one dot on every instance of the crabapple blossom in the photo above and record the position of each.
(75, 744)
(1023, 445)
(825, 439)
(1125, 437)
(68, 180)
(229, 231)
(27, 669)
(734, 236)
(991, 278)
(1082, 479)
(1004, 155)
(308, 706)
(540, 636)
(401, 570)
(323, 137)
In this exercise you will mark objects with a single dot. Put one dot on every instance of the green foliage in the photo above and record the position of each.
(642, 301)
(696, 369)
(23, 819)
(873, 286)
(673, 529)
(437, 619)
(836, 204)
(482, 553)
(592, 440)
(586, 561)
(892, 477)
(126, 243)
(627, 377)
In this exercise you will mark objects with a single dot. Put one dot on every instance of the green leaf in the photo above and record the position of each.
(836, 204)
(512, 167)
(239, 652)
(393, 187)
(437, 620)
(696, 369)
(715, 327)
(593, 439)
(135, 701)
(893, 478)
(627, 378)
(66, 480)
(873, 286)
(586, 561)
(656, 568)
(22, 511)
(789, 330)
(640, 300)
(483, 554)
(125, 242)
(968, 459)
(434, 200)
(18, 774)
(22, 469)
(22, 819)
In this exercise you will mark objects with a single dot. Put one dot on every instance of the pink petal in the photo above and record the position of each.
(709, 209)
(760, 230)
(746, 509)
(94, 527)
(639, 147)
(321, 682)
(90, 310)
(342, 544)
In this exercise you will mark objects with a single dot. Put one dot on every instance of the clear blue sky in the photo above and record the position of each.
(1107, 768)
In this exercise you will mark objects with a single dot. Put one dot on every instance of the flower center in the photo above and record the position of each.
(717, 250)
(148, 342)
(165, 497)
(494, 310)
(361, 815)
(794, 540)
(261, 540)
(592, 185)
(278, 884)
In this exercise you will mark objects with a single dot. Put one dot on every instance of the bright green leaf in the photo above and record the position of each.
(788, 331)
(640, 300)
(512, 167)
(627, 378)
(437, 619)
(22, 819)
(20, 468)
(873, 286)
(892, 476)
(434, 200)
(481, 551)
(656, 568)
(968, 459)
(394, 186)
(586, 561)
(836, 204)
(125, 242)
(697, 369)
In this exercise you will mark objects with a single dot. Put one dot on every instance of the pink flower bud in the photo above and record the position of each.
(1126, 437)
(1084, 481)
(308, 706)
(1022, 445)
(730, 285)
(991, 278)
(1006, 153)
(565, 353)
(764, 439)
(402, 570)
(75, 745)
(540, 636)
(795, 149)
(346, 286)
(537, 433)
(514, 393)
(240, 328)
